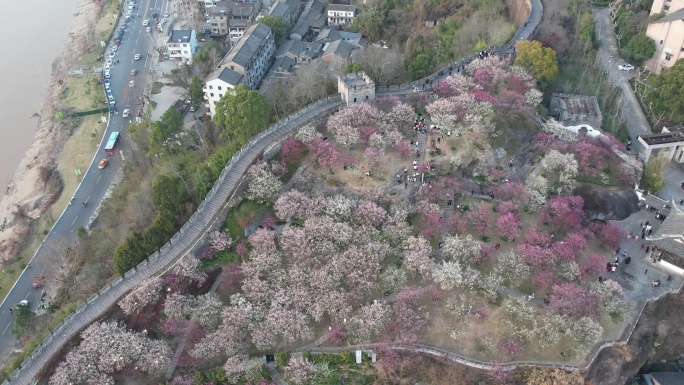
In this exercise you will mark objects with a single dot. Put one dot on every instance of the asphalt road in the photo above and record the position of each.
(95, 182)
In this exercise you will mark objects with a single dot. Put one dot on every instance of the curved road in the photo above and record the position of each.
(95, 182)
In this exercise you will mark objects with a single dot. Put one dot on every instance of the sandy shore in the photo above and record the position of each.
(26, 196)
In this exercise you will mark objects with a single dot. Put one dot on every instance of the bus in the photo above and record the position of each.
(111, 143)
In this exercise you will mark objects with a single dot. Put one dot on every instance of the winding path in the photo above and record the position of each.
(214, 208)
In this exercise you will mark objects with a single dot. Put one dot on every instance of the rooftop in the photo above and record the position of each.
(674, 16)
(328, 34)
(279, 9)
(247, 46)
(218, 10)
(356, 79)
(339, 48)
(284, 63)
(575, 108)
(673, 225)
(663, 138)
(237, 23)
(245, 10)
(341, 7)
(229, 76)
(180, 36)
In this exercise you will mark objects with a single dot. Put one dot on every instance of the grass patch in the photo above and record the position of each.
(243, 216)
(84, 93)
(156, 87)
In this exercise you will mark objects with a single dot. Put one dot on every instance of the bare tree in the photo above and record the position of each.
(384, 66)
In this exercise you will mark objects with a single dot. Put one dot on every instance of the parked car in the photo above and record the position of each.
(193, 109)
(111, 98)
(112, 55)
(126, 112)
(626, 67)
(146, 22)
(148, 29)
(131, 83)
(106, 81)
(136, 57)
(166, 16)
(133, 72)
(38, 282)
(107, 87)
(107, 75)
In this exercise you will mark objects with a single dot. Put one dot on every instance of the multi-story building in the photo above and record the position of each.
(182, 45)
(218, 83)
(252, 55)
(218, 16)
(242, 16)
(289, 10)
(668, 34)
(340, 14)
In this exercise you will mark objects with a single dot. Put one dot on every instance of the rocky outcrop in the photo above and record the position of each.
(657, 335)
(604, 204)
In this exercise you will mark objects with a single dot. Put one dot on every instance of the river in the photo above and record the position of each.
(33, 35)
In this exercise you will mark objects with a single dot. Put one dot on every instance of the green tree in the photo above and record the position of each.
(168, 194)
(352, 68)
(196, 91)
(586, 29)
(24, 321)
(639, 49)
(277, 24)
(668, 90)
(208, 58)
(420, 66)
(171, 123)
(130, 253)
(653, 174)
(540, 61)
(242, 112)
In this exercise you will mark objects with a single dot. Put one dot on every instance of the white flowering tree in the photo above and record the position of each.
(447, 275)
(264, 185)
(511, 267)
(461, 248)
(107, 348)
(146, 293)
(417, 256)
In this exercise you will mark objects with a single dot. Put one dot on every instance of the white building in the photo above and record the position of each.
(218, 83)
(340, 14)
(182, 45)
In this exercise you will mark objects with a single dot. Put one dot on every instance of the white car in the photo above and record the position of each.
(115, 48)
(110, 97)
(112, 55)
(626, 67)
(136, 57)
(126, 112)
(109, 62)
(148, 29)
(107, 75)
(107, 68)
(146, 22)
(166, 16)
(107, 87)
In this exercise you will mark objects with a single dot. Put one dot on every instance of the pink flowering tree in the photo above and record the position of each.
(402, 148)
(365, 133)
(537, 255)
(544, 277)
(344, 125)
(143, 295)
(417, 256)
(565, 212)
(106, 348)
(508, 226)
(612, 235)
(511, 347)
(374, 155)
(512, 191)
(368, 213)
(576, 301)
(480, 218)
(431, 224)
(219, 241)
(292, 150)
(535, 237)
(300, 371)
(593, 264)
(507, 207)
(292, 203)
(325, 154)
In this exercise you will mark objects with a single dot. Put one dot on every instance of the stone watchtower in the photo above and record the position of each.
(356, 88)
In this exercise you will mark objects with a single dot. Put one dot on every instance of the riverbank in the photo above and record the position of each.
(35, 184)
